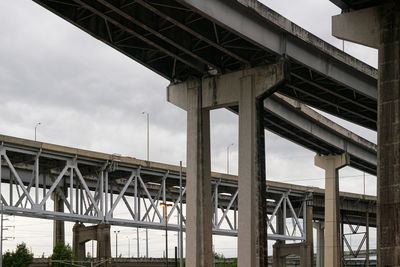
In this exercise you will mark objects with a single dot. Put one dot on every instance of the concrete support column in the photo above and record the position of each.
(278, 261)
(78, 247)
(379, 27)
(252, 235)
(103, 241)
(320, 244)
(389, 138)
(58, 226)
(198, 181)
(83, 234)
(307, 249)
(331, 164)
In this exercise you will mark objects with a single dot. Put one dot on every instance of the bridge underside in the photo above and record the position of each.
(188, 41)
(183, 38)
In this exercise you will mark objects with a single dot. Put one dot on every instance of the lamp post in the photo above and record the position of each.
(129, 247)
(180, 217)
(148, 133)
(37, 124)
(227, 158)
(116, 243)
(165, 206)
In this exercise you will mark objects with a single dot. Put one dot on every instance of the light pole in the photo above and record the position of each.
(129, 247)
(148, 133)
(116, 243)
(137, 242)
(180, 217)
(147, 243)
(165, 206)
(227, 158)
(37, 124)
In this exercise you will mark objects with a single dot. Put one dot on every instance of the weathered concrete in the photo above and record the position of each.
(58, 226)
(389, 139)
(244, 88)
(331, 164)
(361, 26)
(198, 180)
(319, 226)
(304, 249)
(252, 241)
(224, 90)
(83, 234)
(384, 20)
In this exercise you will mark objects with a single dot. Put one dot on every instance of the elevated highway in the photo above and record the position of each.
(197, 38)
(247, 52)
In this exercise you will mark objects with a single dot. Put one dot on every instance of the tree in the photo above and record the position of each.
(61, 252)
(20, 258)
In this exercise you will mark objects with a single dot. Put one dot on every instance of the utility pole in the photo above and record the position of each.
(227, 158)
(148, 134)
(180, 217)
(165, 205)
(37, 124)
(129, 247)
(147, 243)
(137, 242)
(116, 243)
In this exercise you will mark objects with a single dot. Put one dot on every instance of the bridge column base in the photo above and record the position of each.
(304, 250)
(320, 244)
(331, 164)
(83, 234)
(58, 226)
(198, 180)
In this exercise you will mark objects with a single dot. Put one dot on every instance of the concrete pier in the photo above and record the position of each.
(381, 29)
(252, 239)
(245, 89)
(83, 234)
(332, 245)
(319, 226)
(198, 181)
(58, 226)
(304, 249)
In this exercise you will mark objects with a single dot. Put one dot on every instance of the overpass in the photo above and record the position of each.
(380, 28)
(237, 53)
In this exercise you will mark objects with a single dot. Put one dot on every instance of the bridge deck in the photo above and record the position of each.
(187, 38)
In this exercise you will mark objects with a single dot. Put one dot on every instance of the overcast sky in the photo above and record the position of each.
(89, 96)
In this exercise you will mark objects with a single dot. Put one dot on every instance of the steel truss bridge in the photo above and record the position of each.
(94, 186)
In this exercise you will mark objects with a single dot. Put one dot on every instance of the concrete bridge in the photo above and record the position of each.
(236, 54)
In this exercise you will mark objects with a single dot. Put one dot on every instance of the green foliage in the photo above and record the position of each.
(218, 256)
(61, 252)
(20, 258)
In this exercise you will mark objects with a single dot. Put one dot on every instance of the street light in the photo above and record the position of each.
(165, 206)
(37, 124)
(148, 134)
(227, 158)
(129, 247)
(116, 243)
